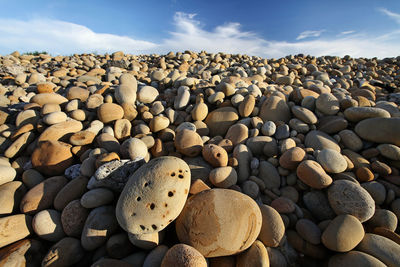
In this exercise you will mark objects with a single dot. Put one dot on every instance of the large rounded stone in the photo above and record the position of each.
(11, 194)
(47, 225)
(356, 114)
(126, 93)
(256, 255)
(346, 197)
(188, 143)
(99, 226)
(382, 248)
(343, 233)
(109, 112)
(319, 140)
(332, 161)
(380, 130)
(273, 228)
(219, 120)
(154, 195)
(42, 195)
(275, 109)
(14, 228)
(147, 94)
(354, 258)
(52, 157)
(66, 252)
(219, 222)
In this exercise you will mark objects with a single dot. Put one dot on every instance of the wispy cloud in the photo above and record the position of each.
(308, 34)
(60, 37)
(390, 14)
(347, 32)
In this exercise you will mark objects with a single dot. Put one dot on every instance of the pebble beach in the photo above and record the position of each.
(196, 159)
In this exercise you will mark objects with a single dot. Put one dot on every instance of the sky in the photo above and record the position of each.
(270, 29)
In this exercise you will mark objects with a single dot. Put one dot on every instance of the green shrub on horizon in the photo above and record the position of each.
(35, 53)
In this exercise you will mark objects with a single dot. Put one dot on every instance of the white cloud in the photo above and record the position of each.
(347, 32)
(60, 37)
(308, 34)
(390, 14)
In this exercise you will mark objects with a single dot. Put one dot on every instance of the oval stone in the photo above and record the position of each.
(154, 195)
(219, 222)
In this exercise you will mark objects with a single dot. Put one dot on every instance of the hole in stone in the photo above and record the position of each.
(170, 221)
(165, 205)
(142, 227)
(218, 155)
(170, 194)
(154, 226)
(173, 174)
(138, 198)
(134, 214)
(180, 176)
(152, 206)
(146, 184)
(180, 170)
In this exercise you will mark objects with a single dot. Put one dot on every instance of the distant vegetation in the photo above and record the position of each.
(35, 53)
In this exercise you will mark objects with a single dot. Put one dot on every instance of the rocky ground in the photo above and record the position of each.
(198, 159)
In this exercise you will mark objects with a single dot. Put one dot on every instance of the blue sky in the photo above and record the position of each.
(265, 28)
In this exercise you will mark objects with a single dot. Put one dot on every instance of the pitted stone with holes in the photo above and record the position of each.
(154, 195)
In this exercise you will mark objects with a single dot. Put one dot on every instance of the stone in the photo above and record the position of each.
(219, 120)
(319, 140)
(256, 144)
(291, 158)
(275, 109)
(317, 203)
(312, 174)
(11, 194)
(199, 168)
(215, 155)
(272, 228)
(343, 233)
(389, 151)
(381, 248)
(147, 94)
(183, 255)
(114, 174)
(376, 190)
(146, 241)
(154, 195)
(269, 174)
(47, 225)
(247, 106)
(356, 114)
(96, 197)
(14, 228)
(304, 115)
(134, 149)
(109, 112)
(346, 197)
(7, 174)
(61, 130)
(327, 103)
(19, 145)
(99, 226)
(76, 92)
(48, 98)
(309, 231)
(158, 123)
(354, 258)
(22, 253)
(332, 124)
(73, 218)
(25, 117)
(383, 218)
(71, 191)
(188, 143)
(332, 161)
(66, 252)
(237, 133)
(155, 257)
(182, 99)
(41, 196)
(268, 128)
(52, 157)
(218, 212)
(200, 110)
(32, 177)
(256, 255)
(82, 138)
(350, 140)
(379, 130)
(223, 177)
